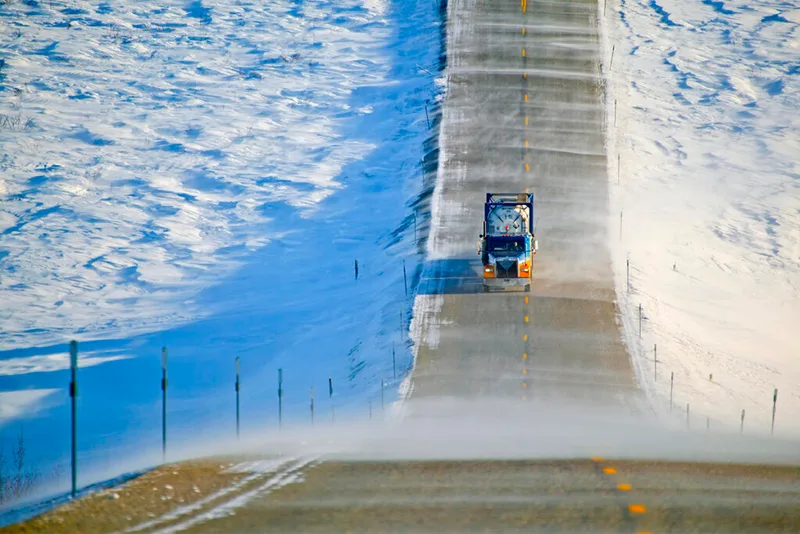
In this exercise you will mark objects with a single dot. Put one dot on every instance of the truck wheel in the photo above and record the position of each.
(485, 289)
(527, 288)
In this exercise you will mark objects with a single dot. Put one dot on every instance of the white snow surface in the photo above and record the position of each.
(703, 123)
(142, 140)
(57, 362)
(28, 402)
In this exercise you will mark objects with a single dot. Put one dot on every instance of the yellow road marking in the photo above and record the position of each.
(526, 121)
(524, 371)
(525, 75)
(526, 298)
(527, 167)
(523, 52)
(524, 384)
(525, 337)
(526, 318)
(526, 97)
(523, 31)
(597, 459)
(624, 487)
(526, 146)
(636, 508)
(524, 355)
(609, 471)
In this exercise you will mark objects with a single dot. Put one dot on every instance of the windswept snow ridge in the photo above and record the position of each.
(144, 144)
(703, 120)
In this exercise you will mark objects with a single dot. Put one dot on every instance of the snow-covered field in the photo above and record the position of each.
(202, 175)
(152, 139)
(706, 202)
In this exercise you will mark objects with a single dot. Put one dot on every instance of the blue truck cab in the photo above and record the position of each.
(508, 243)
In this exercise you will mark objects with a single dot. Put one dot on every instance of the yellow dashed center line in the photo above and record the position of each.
(524, 371)
(526, 298)
(523, 52)
(526, 146)
(527, 167)
(526, 121)
(526, 97)
(524, 355)
(527, 319)
(523, 31)
(633, 508)
(524, 384)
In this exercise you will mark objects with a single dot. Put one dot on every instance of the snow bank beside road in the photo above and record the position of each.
(703, 123)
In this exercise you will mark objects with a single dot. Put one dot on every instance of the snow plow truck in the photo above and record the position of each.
(508, 244)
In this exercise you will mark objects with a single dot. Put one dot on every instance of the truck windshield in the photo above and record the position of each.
(505, 246)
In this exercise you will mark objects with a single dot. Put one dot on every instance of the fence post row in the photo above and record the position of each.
(655, 362)
(73, 393)
(312, 405)
(405, 279)
(330, 397)
(237, 397)
(164, 403)
(280, 398)
(774, 405)
(640, 320)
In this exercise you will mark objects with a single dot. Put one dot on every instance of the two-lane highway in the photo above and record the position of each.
(524, 112)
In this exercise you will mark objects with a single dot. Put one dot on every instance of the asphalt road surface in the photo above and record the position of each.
(524, 112)
(525, 496)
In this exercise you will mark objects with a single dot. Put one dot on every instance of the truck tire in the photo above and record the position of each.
(527, 288)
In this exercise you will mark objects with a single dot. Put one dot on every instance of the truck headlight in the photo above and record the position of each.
(488, 269)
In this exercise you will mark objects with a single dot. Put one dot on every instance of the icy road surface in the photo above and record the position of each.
(524, 112)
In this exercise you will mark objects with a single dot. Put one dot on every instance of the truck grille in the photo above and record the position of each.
(506, 269)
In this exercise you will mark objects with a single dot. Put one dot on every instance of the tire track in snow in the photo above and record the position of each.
(262, 469)
(281, 478)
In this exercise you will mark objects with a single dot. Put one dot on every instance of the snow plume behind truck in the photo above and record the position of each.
(508, 244)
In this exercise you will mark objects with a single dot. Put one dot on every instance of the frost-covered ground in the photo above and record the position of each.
(703, 115)
(202, 175)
